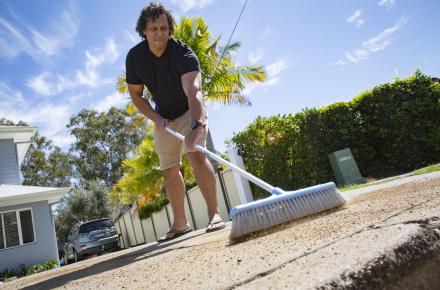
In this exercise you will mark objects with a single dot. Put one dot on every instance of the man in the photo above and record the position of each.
(171, 72)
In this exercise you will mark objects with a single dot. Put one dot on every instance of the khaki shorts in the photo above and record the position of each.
(169, 148)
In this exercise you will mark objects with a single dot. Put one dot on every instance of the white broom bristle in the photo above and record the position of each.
(273, 212)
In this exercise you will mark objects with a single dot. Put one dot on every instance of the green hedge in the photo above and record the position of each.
(390, 129)
(156, 205)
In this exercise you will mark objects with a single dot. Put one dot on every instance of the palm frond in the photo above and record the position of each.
(121, 85)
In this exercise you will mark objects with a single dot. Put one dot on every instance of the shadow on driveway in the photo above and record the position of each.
(107, 265)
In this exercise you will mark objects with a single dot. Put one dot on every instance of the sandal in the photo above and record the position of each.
(173, 234)
(215, 224)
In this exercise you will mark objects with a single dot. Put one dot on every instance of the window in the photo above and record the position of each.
(16, 228)
(27, 227)
(11, 229)
(95, 225)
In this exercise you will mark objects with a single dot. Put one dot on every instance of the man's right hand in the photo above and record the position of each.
(160, 123)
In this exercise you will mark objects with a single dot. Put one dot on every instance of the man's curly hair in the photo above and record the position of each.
(152, 12)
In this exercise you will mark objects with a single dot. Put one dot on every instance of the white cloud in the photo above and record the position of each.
(388, 4)
(19, 37)
(383, 39)
(133, 38)
(338, 63)
(107, 55)
(113, 100)
(356, 17)
(40, 85)
(187, 5)
(12, 42)
(50, 119)
(275, 68)
(8, 95)
(375, 44)
(254, 57)
(273, 76)
(89, 76)
(47, 83)
(357, 55)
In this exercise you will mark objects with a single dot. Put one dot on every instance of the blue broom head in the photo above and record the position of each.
(279, 195)
(283, 206)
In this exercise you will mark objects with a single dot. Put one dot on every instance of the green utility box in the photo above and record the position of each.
(345, 168)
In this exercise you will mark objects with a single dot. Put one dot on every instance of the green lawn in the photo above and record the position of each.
(428, 169)
(425, 170)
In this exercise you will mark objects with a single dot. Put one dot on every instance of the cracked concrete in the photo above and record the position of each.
(385, 237)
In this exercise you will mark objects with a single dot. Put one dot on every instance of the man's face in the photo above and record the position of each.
(157, 32)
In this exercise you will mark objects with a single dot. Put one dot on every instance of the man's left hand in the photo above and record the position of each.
(193, 137)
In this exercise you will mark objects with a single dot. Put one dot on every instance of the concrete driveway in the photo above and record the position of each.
(386, 236)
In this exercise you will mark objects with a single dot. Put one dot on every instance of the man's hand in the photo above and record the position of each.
(193, 137)
(160, 123)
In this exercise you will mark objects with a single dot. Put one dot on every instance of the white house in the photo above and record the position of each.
(27, 231)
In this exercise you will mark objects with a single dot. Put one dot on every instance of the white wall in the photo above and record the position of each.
(135, 231)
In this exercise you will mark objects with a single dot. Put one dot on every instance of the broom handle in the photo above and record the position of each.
(243, 173)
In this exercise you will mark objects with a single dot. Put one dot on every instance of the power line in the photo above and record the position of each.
(233, 30)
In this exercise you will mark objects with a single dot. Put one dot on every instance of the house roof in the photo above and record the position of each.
(21, 136)
(19, 194)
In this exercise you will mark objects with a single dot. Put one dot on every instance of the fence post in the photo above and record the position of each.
(143, 232)
(154, 227)
(125, 225)
(132, 226)
(190, 209)
(223, 188)
(244, 190)
(168, 216)
(122, 234)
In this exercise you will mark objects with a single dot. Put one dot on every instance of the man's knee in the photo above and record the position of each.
(196, 158)
(171, 172)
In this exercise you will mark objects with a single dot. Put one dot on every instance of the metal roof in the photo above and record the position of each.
(19, 194)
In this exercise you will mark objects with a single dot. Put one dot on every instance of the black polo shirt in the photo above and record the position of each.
(162, 75)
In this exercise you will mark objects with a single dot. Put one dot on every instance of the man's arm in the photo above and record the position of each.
(192, 86)
(136, 93)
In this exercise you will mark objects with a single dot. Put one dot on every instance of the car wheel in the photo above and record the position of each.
(75, 256)
(66, 261)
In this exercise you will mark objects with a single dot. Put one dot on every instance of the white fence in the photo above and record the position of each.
(134, 231)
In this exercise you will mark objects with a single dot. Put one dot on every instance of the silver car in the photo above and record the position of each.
(91, 237)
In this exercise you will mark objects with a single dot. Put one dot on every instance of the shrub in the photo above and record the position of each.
(156, 205)
(390, 129)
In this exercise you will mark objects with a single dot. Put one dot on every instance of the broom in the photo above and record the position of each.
(282, 206)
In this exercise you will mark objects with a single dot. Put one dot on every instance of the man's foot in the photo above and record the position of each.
(215, 224)
(173, 234)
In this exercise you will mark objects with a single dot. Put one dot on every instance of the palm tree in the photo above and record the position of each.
(223, 80)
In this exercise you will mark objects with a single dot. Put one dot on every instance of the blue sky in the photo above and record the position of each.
(58, 57)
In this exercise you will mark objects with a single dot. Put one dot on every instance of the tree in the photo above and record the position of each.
(103, 141)
(86, 202)
(223, 80)
(142, 175)
(6, 122)
(46, 165)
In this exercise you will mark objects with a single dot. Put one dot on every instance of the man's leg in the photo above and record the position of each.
(205, 178)
(175, 189)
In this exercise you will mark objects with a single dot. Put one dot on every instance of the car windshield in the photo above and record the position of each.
(95, 225)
